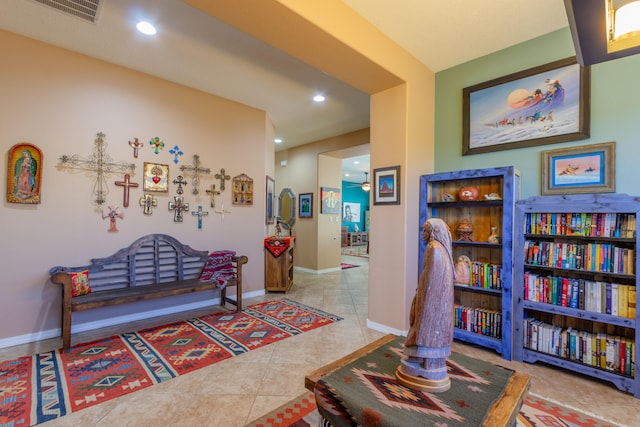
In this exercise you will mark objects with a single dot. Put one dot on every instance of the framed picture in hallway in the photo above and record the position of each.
(330, 200)
(542, 105)
(386, 186)
(270, 195)
(305, 205)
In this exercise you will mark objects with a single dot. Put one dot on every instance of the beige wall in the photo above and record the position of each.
(58, 101)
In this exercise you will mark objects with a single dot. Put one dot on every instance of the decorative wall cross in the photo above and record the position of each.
(222, 177)
(157, 144)
(200, 214)
(221, 211)
(100, 165)
(212, 195)
(196, 170)
(148, 203)
(176, 151)
(178, 206)
(126, 184)
(136, 145)
(112, 213)
(179, 181)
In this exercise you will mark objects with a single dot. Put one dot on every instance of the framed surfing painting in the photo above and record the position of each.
(542, 105)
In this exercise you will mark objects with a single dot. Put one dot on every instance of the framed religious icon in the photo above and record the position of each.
(242, 190)
(156, 177)
(24, 173)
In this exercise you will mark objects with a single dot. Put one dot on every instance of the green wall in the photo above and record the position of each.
(615, 111)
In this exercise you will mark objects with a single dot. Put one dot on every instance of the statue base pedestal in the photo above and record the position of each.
(419, 383)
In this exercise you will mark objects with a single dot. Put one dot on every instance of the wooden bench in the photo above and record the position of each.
(154, 266)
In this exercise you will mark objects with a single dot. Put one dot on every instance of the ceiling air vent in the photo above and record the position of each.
(86, 10)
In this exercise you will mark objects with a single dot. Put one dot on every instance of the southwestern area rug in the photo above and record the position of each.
(346, 266)
(536, 412)
(46, 386)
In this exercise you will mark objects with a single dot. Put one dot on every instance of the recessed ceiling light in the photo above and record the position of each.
(146, 28)
(318, 98)
(356, 162)
(278, 141)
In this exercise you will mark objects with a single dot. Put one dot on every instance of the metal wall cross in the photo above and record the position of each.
(179, 181)
(195, 171)
(148, 203)
(112, 214)
(222, 177)
(221, 211)
(212, 195)
(126, 184)
(178, 206)
(99, 165)
(200, 213)
(177, 152)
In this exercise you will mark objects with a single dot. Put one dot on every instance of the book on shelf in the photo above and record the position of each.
(621, 225)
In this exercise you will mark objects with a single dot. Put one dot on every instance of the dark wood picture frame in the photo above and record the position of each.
(543, 105)
(386, 186)
(583, 169)
(305, 205)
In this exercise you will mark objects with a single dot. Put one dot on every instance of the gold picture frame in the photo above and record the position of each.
(583, 169)
(156, 177)
(24, 174)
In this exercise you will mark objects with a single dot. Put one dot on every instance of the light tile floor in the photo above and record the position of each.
(238, 390)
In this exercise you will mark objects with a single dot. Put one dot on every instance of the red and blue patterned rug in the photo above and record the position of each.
(46, 386)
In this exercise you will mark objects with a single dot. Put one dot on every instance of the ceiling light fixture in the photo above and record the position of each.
(318, 98)
(278, 141)
(146, 28)
(366, 186)
(603, 30)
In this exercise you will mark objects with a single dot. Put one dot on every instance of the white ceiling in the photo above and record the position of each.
(198, 51)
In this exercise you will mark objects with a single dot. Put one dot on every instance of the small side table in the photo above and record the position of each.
(278, 263)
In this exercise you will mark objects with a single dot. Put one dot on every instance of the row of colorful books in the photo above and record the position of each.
(609, 352)
(602, 257)
(485, 275)
(582, 224)
(478, 320)
(595, 296)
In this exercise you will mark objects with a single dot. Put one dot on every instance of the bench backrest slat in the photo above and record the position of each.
(155, 258)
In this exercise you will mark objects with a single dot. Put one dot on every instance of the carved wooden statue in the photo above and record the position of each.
(430, 336)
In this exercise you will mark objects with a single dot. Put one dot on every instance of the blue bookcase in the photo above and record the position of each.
(574, 284)
(484, 306)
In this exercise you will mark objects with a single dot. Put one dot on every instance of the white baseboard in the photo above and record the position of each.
(385, 329)
(90, 326)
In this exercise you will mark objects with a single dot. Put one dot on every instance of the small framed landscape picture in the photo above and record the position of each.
(386, 186)
(584, 169)
(305, 205)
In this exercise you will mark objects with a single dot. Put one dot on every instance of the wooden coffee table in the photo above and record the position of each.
(503, 413)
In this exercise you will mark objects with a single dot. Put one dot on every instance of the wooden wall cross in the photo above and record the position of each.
(196, 170)
(179, 181)
(200, 213)
(148, 203)
(100, 165)
(178, 206)
(212, 195)
(112, 213)
(126, 184)
(222, 177)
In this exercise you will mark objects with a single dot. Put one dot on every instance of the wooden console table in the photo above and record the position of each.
(503, 412)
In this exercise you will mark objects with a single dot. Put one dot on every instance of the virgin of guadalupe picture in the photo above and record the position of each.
(24, 171)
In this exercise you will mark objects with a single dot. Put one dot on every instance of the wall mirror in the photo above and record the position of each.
(287, 208)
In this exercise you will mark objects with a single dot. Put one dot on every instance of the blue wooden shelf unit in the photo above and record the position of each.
(575, 285)
(484, 306)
